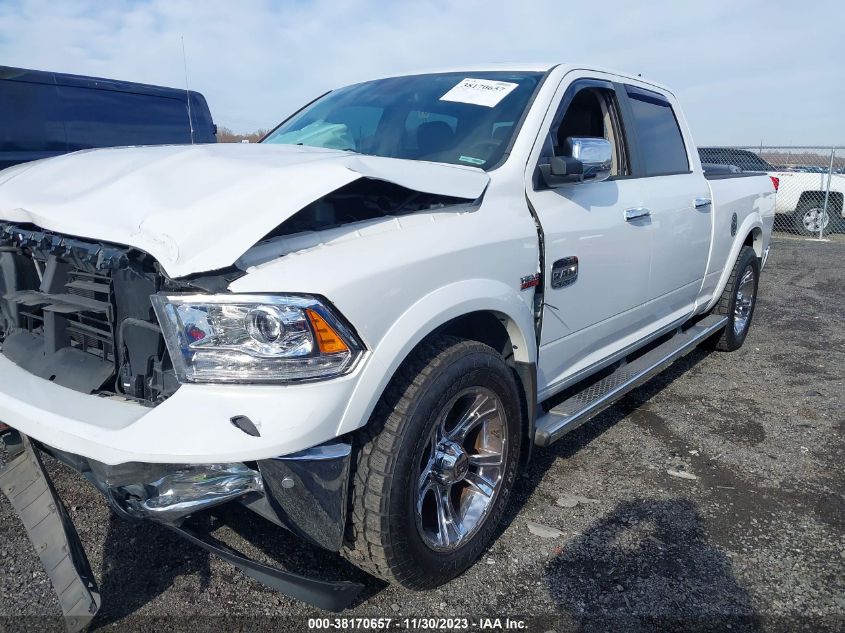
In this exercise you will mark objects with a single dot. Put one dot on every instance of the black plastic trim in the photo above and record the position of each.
(741, 174)
(331, 596)
(31, 493)
(635, 157)
(527, 373)
(518, 126)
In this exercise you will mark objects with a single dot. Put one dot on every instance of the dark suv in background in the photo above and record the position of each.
(44, 114)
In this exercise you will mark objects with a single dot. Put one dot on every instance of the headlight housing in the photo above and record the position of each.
(254, 338)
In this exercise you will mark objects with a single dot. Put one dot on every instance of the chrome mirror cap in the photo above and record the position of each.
(595, 155)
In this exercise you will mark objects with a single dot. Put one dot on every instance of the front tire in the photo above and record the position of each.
(435, 465)
(738, 301)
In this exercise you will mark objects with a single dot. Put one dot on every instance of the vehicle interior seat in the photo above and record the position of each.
(584, 117)
(434, 137)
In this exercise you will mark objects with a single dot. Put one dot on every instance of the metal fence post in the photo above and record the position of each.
(826, 194)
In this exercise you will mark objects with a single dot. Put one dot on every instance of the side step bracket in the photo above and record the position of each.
(574, 411)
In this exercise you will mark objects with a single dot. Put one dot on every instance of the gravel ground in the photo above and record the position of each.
(712, 497)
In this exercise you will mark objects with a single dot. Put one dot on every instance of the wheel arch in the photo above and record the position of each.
(487, 311)
(497, 331)
(808, 199)
(754, 239)
(752, 234)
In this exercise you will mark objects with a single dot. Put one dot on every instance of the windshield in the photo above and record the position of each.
(464, 118)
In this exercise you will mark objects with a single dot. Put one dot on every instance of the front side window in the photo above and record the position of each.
(461, 118)
(592, 113)
(659, 136)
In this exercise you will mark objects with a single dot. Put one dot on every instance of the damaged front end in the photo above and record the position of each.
(77, 313)
(304, 492)
(171, 495)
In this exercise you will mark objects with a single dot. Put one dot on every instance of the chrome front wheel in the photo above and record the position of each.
(461, 469)
(436, 464)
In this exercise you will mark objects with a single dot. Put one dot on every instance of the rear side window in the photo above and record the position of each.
(658, 134)
(106, 118)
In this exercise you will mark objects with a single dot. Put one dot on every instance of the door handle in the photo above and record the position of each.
(636, 212)
(701, 202)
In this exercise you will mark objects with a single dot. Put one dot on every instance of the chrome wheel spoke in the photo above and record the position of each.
(449, 528)
(479, 484)
(425, 473)
(744, 300)
(425, 487)
(479, 410)
(461, 468)
(486, 459)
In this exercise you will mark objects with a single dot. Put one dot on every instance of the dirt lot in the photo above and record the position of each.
(601, 535)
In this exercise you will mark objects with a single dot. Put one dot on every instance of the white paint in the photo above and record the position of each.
(198, 208)
(793, 184)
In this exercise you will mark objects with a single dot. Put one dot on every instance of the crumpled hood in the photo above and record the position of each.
(198, 208)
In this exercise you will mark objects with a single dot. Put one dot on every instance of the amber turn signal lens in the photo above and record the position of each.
(328, 340)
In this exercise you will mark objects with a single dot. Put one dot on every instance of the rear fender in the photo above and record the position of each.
(753, 223)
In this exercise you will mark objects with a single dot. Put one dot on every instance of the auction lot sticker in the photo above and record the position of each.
(483, 92)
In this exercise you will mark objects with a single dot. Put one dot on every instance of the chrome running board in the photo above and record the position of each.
(597, 396)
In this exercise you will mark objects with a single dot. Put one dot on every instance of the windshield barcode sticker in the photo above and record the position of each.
(483, 92)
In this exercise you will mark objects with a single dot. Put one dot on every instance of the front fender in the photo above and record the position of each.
(424, 317)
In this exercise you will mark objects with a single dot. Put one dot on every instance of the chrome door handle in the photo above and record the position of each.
(702, 202)
(636, 212)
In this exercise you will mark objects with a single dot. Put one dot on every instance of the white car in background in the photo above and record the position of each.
(800, 191)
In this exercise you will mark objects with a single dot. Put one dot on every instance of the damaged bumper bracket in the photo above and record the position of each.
(331, 596)
(30, 491)
(27, 485)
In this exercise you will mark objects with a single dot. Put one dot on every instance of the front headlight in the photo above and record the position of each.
(254, 338)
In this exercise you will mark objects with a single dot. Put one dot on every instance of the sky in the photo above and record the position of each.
(745, 71)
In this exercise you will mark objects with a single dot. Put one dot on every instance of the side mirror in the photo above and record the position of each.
(590, 160)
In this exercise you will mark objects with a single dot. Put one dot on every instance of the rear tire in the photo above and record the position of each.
(810, 217)
(451, 408)
(738, 301)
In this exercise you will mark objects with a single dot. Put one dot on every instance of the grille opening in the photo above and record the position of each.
(91, 341)
(74, 295)
(91, 332)
(32, 321)
(90, 285)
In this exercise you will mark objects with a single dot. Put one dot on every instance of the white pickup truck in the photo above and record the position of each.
(808, 202)
(361, 327)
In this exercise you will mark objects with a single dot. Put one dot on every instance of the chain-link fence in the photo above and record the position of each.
(810, 183)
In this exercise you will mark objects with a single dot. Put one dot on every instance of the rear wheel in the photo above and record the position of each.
(738, 300)
(436, 464)
(810, 219)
